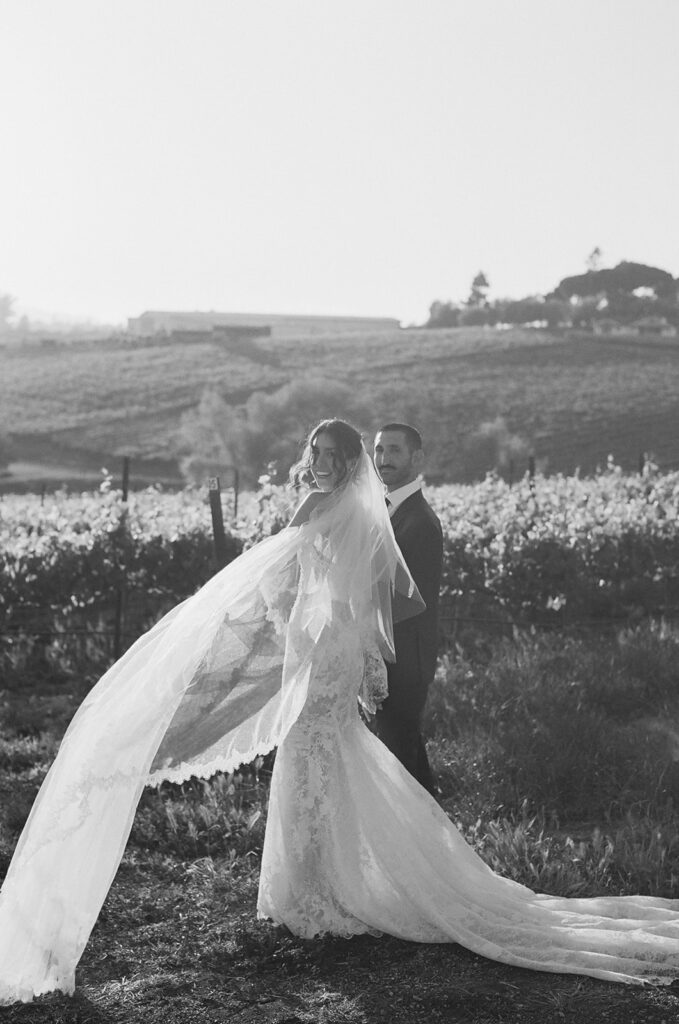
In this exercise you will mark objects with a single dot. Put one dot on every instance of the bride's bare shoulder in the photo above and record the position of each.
(306, 507)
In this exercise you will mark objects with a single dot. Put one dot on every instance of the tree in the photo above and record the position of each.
(493, 446)
(585, 311)
(265, 435)
(476, 316)
(6, 313)
(206, 438)
(443, 314)
(626, 277)
(532, 309)
(627, 291)
(522, 311)
(478, 296)
(276, 424)
(594, 259)
(6, 450)
(556, 312)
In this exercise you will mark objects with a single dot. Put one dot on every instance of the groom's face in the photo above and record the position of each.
(395, 462)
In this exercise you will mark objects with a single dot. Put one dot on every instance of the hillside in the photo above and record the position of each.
(572, 399)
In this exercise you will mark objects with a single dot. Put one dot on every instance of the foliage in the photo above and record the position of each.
(476, 315)
(625, 277)
(443, 314)
(6, 313)
(493, 446)
(562, 727)
(218, 817)
(576, 300)
(208, 435)
(121, 399)
(618, 290)
(6, 449)
(267, 435)
(69, 554)
(530, 310)
(551, 551)
(639, 856)
(559, 550)
(573, 398)
(478, 294)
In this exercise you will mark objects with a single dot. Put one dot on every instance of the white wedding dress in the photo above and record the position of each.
(275, 651)
(354, 844)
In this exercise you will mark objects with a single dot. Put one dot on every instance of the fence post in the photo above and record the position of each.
(218, 535)
(531, 472)
(121, 590)
(642, 463)
(235, 492)
(126, 477)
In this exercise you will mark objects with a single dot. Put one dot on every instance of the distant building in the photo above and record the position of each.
(608, 326)
(217, 334)
(155, 322)
(658, 326)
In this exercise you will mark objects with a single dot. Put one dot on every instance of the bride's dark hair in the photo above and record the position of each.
(348, 446)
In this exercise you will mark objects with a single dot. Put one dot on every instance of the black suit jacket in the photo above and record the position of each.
(419, 535)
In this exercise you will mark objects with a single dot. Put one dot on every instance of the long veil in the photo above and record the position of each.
(217, 681)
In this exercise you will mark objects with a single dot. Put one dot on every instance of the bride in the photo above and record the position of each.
(277, 650)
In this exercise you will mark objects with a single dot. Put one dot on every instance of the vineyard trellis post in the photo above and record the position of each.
(531, 474)
(218, 535)
(235, 491)
(121, 588)
(235, 487)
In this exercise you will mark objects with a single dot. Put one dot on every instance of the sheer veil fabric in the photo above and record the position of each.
(217, 681)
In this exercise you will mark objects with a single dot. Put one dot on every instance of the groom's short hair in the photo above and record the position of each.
(412, 436)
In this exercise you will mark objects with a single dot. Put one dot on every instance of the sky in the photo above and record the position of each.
(339, 157)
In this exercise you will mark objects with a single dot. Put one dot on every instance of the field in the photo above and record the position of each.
(570, 399)
(552, 552)
(570, 790)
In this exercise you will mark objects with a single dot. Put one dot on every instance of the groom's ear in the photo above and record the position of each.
(418, 459)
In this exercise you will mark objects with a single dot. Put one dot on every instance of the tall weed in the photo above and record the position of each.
(219, 817)
(639, 856)
(572, 729)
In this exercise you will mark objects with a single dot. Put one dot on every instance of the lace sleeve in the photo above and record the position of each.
(374, 688)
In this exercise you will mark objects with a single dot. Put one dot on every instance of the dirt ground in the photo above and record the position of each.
(179, 943)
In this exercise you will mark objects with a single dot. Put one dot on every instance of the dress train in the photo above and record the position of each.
(354, 844)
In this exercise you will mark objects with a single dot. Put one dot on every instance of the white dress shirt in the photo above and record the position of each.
(397, 497)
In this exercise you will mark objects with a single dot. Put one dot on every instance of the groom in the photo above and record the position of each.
(399, 459)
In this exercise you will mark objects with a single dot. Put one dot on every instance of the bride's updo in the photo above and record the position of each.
(348, 447)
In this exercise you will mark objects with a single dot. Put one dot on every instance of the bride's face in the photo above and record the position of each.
(326, 468)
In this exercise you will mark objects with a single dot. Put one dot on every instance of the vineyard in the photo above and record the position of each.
(551, 551)
(571, 399)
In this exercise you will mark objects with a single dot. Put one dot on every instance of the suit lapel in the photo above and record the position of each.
(409, 504)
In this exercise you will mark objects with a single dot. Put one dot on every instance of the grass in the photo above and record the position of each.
(574, 400)
(178, 942)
